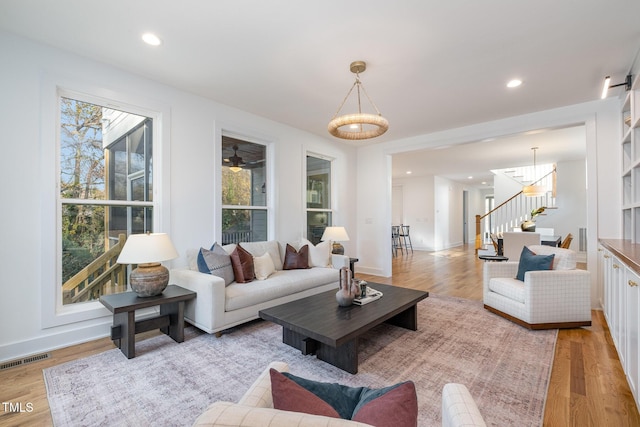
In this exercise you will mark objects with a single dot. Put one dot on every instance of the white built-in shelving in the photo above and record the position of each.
(631, 163)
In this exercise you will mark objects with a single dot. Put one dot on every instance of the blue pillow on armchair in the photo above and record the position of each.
(529, 261)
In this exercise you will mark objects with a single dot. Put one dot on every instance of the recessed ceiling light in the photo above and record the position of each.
(408, 172)
(151, 39)
(469, 177)
(514, 83)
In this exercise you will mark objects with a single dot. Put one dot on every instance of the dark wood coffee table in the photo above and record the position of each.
(318, 325)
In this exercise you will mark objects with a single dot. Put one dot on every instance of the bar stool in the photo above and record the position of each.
(395, 239)
(404, 235)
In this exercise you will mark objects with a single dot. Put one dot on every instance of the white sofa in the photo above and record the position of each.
(218, 307)
(547, 299)
(255, 409)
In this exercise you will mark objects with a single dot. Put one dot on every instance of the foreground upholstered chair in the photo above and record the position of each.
(545, 299)
(255, 409)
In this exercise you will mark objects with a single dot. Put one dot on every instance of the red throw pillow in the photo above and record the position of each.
(289, 396)
(392, 406)
(296, 259)
(397, 406)
(242, 263)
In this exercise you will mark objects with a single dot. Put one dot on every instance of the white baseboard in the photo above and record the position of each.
(56, 341)
(101, 328)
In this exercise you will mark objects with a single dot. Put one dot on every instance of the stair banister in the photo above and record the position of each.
(479, 218)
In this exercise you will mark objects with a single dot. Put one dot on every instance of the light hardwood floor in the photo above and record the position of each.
(587, 386)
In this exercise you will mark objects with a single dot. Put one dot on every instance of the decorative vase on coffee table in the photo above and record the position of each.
(348, 289)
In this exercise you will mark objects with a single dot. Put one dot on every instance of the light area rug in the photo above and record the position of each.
(505, 367)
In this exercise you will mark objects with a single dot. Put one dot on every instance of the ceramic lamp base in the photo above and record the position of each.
(149, 279)
(338, 249)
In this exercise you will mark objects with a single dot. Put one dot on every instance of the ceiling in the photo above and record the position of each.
(431, 65)
(472, 163)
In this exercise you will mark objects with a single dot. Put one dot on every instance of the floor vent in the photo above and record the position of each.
(24, 361)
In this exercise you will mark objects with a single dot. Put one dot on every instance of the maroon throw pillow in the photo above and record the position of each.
(396, 407)
(392, 406)
(242, 263)
(289, 396)
(296, 259)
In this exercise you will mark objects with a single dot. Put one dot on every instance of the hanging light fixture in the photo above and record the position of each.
(358, 125)
(534, 190)
(236, 161)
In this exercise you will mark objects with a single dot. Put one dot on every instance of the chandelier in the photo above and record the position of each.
(534, 190)
(358, 125)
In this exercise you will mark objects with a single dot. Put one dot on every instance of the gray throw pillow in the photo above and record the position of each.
(216, 261)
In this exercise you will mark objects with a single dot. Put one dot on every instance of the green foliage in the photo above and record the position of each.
(236, 191)
(538, 211)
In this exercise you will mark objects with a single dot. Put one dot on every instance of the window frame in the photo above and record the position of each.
(332, 193)
(54, 312)
(268, 206)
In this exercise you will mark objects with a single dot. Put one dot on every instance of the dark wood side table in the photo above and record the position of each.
(124, 306)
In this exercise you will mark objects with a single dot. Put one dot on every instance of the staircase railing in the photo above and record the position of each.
(103, 275)
(510, 214)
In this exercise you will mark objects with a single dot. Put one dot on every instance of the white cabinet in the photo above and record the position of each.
(621, 291)
(631, 329)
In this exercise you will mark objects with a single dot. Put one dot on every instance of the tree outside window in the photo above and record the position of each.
(105, 194)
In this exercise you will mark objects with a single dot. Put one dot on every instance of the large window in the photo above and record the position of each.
(319, 213)
(106, 171)
(244, 191)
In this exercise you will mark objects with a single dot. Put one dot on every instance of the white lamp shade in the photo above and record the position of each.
(147, 248)
(336, 234)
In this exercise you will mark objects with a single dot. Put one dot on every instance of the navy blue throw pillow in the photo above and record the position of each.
(529, 261)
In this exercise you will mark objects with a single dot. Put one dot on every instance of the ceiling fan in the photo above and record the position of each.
(235, 160)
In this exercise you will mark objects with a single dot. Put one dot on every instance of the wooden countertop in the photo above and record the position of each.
(627, 252)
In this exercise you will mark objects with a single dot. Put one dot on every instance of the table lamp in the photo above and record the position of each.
(335, 234)
(148, 251)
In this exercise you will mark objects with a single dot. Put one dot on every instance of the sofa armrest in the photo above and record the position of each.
(339, 261)
(207, 310)
(225, 414)
(259, 394)
(458, 407)
(558, 294)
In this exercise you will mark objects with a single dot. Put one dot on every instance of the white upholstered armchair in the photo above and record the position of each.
(545, 299)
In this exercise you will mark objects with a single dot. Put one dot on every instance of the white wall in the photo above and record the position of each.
(571, 202)
(418, 209)
(191, 137)
(504, 188)
(433, 208)
(602, 128)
